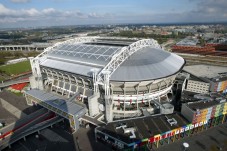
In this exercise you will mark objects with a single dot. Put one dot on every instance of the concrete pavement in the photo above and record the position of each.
(12, 109)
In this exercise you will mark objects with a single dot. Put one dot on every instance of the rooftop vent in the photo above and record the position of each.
(127, 130)
(171, 121)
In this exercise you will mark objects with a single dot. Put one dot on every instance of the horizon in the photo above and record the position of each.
(39, 13)
(121, 24)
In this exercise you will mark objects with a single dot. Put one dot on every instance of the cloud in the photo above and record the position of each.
(205, 11)
(20, 1)
(209, 10)
(47, 16)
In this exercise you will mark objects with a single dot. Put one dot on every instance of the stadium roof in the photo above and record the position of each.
(146, 63)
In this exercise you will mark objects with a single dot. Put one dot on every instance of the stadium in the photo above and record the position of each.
(117, 77)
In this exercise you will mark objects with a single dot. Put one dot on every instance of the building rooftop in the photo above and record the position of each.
(188, 42)
(202, 104)
(187, 96)
(145, 127)
(206, 71)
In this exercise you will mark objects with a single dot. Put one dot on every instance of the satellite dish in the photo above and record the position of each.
(101, 107)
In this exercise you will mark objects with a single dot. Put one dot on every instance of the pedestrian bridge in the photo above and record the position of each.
(12, 82)
(32, 47)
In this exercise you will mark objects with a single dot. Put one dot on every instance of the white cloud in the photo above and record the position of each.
(49, 10)
(30, 12)
(44, 16)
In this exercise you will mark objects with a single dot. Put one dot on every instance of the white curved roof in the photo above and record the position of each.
(80, 58)
(147, 64)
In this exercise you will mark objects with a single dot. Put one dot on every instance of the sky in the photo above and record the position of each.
(34, 13)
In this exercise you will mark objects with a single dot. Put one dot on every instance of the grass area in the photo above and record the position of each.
(1, 79)
(18, 93)
(17, 68)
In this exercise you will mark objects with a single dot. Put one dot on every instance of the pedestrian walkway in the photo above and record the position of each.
(9, 83)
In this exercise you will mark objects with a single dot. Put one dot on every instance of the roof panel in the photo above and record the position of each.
(86, 53)
(69, 67)
(147, 64)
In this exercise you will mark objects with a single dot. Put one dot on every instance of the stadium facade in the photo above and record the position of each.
(119, 77)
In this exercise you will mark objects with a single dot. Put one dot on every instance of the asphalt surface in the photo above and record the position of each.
(17, 133)
(85, 138)
(51, 139)
(6, 116)
(213, 139)
(18, 101)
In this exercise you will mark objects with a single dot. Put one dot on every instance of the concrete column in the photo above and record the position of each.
(124, 100)
(159, 88)
(83, 88)
(149, 91)
(76, 83)
(137, 93)
(108, 101)
(70, 85)
(63, 79)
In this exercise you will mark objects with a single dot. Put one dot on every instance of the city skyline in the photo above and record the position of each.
(34, 13)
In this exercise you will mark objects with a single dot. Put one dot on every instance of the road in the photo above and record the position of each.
(24, 120)
(31, 125)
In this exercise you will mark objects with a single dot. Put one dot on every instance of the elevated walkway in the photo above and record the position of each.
(92, 120)
(9, 83)
(58, 104)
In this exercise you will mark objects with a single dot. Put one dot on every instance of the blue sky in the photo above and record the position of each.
(30, 13)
